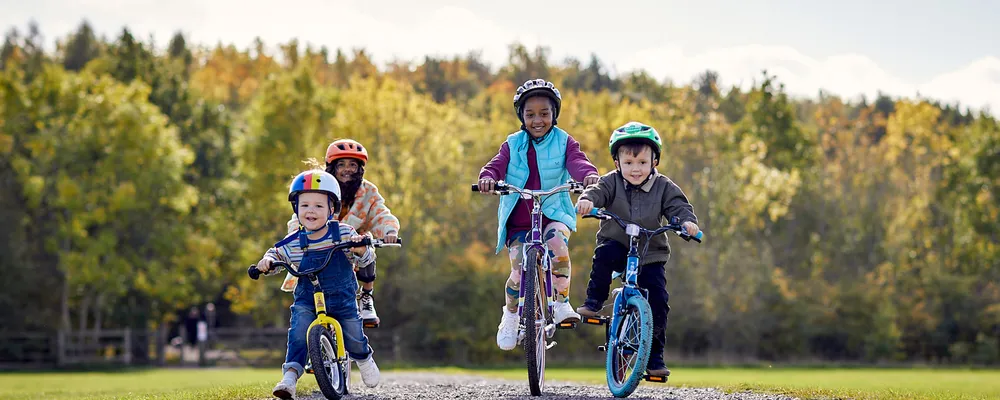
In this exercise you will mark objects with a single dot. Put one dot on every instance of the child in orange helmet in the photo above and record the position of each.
(363, 208)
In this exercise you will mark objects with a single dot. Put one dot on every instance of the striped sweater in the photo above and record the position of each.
(288, 250)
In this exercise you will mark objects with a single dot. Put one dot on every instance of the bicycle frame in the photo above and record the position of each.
(630, 287)
(536, 325)
(319, 300)
(535, 241)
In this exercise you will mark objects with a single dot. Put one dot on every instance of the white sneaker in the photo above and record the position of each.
(285, 389)
(369, 371)
(507, 331)
(563, 312)
(367, 307)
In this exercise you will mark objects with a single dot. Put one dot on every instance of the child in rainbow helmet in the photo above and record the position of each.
(539, 156)
(315, 199)
(631, 192)
(363, 208)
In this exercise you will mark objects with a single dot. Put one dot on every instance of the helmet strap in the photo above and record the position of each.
(539, 139)
(305, 232)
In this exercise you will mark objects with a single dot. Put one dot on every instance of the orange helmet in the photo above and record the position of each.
(346, 148)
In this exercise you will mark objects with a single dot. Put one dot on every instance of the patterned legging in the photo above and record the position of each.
(556, 235)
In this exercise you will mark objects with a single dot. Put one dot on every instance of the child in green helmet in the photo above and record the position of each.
(635, 191)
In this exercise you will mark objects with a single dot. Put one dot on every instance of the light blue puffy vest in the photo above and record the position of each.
(550, 156)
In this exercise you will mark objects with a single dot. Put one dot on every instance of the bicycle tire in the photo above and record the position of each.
(534, 338)
(621, 382)
(332, 380)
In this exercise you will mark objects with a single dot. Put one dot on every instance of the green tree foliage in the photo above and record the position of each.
(81, 47)
(135, 184)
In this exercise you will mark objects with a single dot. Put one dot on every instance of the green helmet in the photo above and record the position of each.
(635, 132)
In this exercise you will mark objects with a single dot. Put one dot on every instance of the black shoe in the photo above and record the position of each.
(590, 308)
(656, 366)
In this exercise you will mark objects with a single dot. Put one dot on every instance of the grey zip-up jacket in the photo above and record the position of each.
(650, 206)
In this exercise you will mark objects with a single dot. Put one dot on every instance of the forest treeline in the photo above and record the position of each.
(137, 183)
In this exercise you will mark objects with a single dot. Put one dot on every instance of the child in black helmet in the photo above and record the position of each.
(538, 156)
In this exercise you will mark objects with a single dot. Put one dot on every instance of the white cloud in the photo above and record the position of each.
(976, 84)
(847, 75)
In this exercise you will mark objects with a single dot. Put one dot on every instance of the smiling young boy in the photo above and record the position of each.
(636, 192)
(315, 199)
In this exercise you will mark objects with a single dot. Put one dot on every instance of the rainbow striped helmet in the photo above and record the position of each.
(315, 180)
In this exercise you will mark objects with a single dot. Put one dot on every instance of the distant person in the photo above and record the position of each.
(191, 326)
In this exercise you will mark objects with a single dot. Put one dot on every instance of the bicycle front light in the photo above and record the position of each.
(632, 230)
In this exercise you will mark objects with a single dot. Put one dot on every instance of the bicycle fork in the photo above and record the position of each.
(543, 290)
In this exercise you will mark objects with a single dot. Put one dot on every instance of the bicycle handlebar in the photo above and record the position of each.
(254, 273)
(674, 225)
(503, 188)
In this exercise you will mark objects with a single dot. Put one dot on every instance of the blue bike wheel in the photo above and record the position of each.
(628, 347)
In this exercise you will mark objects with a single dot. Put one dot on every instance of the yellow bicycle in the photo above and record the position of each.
(325, 337)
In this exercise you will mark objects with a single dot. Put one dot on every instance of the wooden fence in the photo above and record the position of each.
(260, 347)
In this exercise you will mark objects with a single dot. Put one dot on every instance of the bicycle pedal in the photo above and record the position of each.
(309, 369)
(566, 325)
(596, 320)
(371, 323)
(656, 378)
(602, 348)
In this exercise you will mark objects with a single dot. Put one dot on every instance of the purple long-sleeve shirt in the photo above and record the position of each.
(577, 163)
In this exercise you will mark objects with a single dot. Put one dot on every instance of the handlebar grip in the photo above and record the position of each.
(696, 237)
(253, 272)
(498, 186)
(399, 242)
(594, 213)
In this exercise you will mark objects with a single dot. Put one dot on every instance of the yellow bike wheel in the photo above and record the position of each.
(331, 375)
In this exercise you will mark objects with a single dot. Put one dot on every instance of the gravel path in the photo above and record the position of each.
(446, 386)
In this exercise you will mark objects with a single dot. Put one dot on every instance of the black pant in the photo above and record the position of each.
(611, 256)
(366, 274)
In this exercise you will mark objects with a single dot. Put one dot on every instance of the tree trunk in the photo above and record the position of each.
(84, 307)
(65, 294)
(98, 315)
(64, 328)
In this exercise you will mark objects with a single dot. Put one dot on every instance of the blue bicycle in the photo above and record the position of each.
(629, 329)
(535, 298)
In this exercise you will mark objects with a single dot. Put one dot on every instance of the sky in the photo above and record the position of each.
(945, 50)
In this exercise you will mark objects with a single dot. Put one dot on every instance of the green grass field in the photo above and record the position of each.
(811, 383)
(244, 383)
